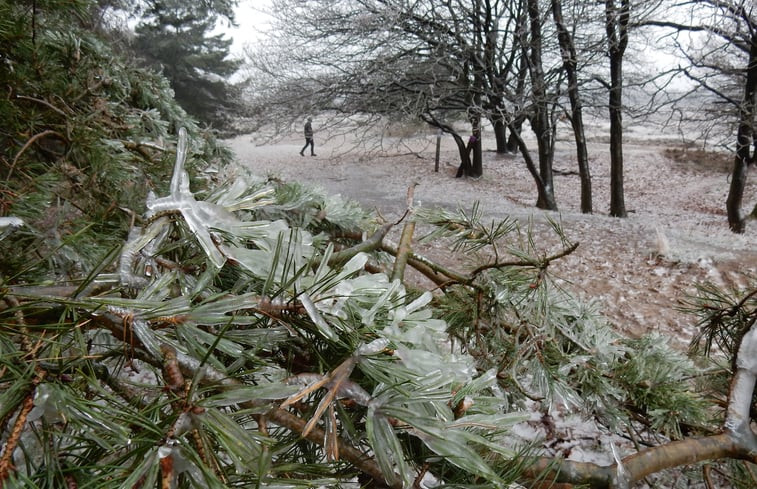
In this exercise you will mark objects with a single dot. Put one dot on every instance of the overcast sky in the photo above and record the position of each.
(251, 19)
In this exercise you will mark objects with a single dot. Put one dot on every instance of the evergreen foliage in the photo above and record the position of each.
(84, 137)
(175, 38)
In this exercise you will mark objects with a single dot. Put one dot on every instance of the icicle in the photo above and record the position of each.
(345, 389)
(137, 242)
(622, 479)
(203, 218)
(351, 390)
(232, 198)
(128, 257)
(199, 215)
(373, 347)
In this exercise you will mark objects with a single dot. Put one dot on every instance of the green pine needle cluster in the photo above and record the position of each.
(85, 136)
(550, 347)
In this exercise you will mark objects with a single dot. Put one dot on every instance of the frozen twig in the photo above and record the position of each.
(737, 441)
(373, 242)
(200, 216)
(435, 272)
(738, 422)
(406, 239)
(31, 141)
(537, 263)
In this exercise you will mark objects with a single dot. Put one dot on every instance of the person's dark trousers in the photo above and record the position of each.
(308, 142)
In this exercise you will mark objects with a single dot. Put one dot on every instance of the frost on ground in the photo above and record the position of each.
(638, 269)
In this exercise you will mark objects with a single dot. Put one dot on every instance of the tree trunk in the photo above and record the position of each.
(518, 113)
(479, 85)
(515, 128)
(540, 188)
(570, 60)
(470, 154)
(477, 165)
(617, 37)
(617, 202)
(500, 135)
(466, 168)
(474, 143)
(744, 142)
(540, 119)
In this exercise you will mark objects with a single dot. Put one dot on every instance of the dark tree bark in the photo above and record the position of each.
(474, 147)
(540, 188)
(745, 142)
(570, 61)
(616, 24)
(498, 67)
(519, 115)
(515, 128)
(540, 118)
(471, 157)
(483, 47)
(500, 135)
(465, 150)
(466, 167)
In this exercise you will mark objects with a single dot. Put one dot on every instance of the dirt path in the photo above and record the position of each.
(675, 207)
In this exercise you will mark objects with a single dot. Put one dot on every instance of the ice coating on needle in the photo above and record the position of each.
(9, 224)
(197, 214)
(739, 406)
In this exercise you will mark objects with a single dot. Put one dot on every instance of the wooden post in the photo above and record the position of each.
(438, 144)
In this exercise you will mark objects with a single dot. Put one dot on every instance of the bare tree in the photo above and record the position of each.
(387, 58)
(540, 121)
(440, 62)
(446, 62)
(570, 65)
(617, 17)
(722, 64)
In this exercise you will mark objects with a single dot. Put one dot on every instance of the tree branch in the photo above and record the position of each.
(737, 441)
(370, 244)
(31, 141)
(541, 264)
(189, 367)
(406, 240)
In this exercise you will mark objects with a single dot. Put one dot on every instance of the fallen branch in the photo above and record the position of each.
(358, 459)
(639, 465)
(142, 147)
(371, 244)
(436, 272)
(737, 441)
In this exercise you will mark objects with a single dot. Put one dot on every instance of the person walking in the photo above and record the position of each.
(308, 138)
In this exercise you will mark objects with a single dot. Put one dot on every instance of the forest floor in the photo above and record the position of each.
(639, 270)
